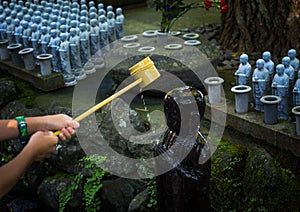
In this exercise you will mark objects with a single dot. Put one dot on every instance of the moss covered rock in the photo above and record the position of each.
(267, 186)
(228, 163)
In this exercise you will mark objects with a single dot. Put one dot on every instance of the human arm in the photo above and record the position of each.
(40, 146)
(40, 123)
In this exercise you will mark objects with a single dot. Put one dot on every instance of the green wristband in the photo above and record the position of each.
(23, 133)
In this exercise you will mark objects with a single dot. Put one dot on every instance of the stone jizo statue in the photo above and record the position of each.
(260, 82)
(243, 73)
(280, 87)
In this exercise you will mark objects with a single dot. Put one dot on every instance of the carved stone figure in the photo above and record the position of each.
(119, 23)
(111, 26)
(260, 82)
(26, 35)
(94, 36)
(75, 50)
(296, 91)
(243, 73)
(294, 60)
(35, 37)
(280, 87)
(54, 45)
(103, 31)
(289, 70)
(44, 40)
(10, 31)
(85, 51)
(64, 54)
(185, 187)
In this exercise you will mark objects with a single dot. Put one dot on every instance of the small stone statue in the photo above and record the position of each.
(186, 186)
(35, 37)
(26, 35)
(64, 55)
(109, 8)
(2, 27)
(289, 70)
(280, 87)
(10, 31)
(18, 31)
(103, 32)
(244, 71)
(119, 23)
(294, 60)
(260, 82)
(269, 65)
(76, 64)
(94, 36)
(111, 26)
(44, 40)
(85, 51)
(296, 91)
(54, 45)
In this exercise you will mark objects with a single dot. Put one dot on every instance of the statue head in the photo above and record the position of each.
(63, 37)
(93, 15)
(73, 31)
(102, 18)
(292, 54)
(7, 12)
(179, 100)
(83, 13)
(94, 22)
(93, 10)
(5, 4)
(100, 6)
(119, 11)
(33, 27)
(109, 8)
(266, 56)
(53, 25)
(101, 12)
(280, 69)
(25, 10)
(82, 27)
(286, 61)
(260, 64)
(74, 13)
(24, 24)
(63, 28)
(73, 24)
(53, 33)
(91, 4)
(44, 30)
(8, 20)
(244, 59)
(110, 14)
(16, 22)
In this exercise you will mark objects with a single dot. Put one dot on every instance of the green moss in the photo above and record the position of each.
(226, 182)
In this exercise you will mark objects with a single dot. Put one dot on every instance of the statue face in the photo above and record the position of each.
(260, 64)
(266, 56)
(243, 58)
(286, 61)
(280, 69)
(292, 53)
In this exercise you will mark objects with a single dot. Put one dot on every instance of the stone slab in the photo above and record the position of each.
(45, 83)
(281, 135)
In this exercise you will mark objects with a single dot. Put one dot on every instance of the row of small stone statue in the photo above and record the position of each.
(282, 80)
(70, 32)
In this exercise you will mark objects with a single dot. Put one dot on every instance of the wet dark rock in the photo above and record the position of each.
(140, 201)
(228, 54)
(8, 92)
(23, 204)
(16, 108)
(117, 194)
(52, 187)
(56, 108)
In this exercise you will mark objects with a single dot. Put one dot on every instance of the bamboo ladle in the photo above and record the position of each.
(144, 73)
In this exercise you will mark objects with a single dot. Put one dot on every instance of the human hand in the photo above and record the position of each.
(41, 145)
(60, 122)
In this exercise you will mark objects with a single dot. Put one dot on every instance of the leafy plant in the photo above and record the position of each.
(91, 185)
(172, 10)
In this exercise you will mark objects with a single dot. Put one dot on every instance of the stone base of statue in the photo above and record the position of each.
(89, 68)
(79, 74)
(69, 80)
